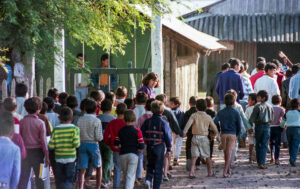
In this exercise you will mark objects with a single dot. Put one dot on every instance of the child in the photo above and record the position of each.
(21, 95)
(292, 122)
(90, 134)
(251, 135)
(106, 153)
(98, 96)
(121, 94)
(200, 123)
(62, 99)
(212, 113)
(51, 115)
(34, 135)
(42, 116)
(64, 141)
(150, 81)
(129, 103)
(10, 153)
(262, 116)
(73, 104)
(174, 105)
(146, 115)
(112, 97)
(130, 139)
(275, 138)
(229, 121)
(54, 93)
(111, 132)
(186, 117)
(156, 134)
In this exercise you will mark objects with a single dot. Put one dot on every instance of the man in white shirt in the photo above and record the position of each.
(268, 82)
(81, 81)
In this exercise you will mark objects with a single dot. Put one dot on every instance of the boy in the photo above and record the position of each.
(21, 93)
(112, 97)
(229, 122)
(90, 134)
(251, 135)
(34, 135)
(51, 115)
(54, 93)
(10, 162)
(64, 141)
(146, 115)
(262, 116)
(121, 94)
(98, 96)
(156, 134)
(73, 104)
(174, 105)
(106, 153)
(111, 132)
(212, 113)
(292, 122)
(200, 123)
(130, 139)
(275, 138)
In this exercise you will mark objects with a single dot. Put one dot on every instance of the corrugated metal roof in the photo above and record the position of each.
(249, 28)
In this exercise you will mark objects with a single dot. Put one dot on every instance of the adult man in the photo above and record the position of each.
(81, 80)
(294, 89)
(231, 80)
(268, 82)
(212, 86)
(285, 86)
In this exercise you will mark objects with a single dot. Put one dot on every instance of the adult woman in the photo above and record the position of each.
(150, 81)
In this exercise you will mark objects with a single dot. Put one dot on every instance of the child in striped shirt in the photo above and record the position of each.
(64, 141)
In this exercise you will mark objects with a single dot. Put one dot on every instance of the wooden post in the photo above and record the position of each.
(34, 88)
(30, 71)
(167, 65)
(59, 66)
(41, 88)
(156, 51)
(204, 77)
(173, 68)
(4, 89)
(13, 88)
(48, 84)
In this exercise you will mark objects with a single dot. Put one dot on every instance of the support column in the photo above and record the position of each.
(59, 65)
(156, 51)
(204, 79)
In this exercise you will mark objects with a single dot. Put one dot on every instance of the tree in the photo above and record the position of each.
(28, 25)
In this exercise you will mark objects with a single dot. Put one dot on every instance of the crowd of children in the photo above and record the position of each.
(110, 134)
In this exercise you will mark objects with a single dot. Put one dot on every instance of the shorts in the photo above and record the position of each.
(228, 141)
(89, 153)
(200, 146)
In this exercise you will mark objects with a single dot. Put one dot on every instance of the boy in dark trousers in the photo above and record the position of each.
(156, 133)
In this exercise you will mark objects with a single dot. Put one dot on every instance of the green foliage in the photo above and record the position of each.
(28, 25)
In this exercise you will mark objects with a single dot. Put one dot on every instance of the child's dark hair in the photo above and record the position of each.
(209, 101)
(110, 96)
(53, 93)
(225, 66)
(260, 59)
(270, 66)
(141, 98)
(193, 100)
(44, 108)
(62, 98)
(72, 101)
(157, 107)
(90, 106)
(6, 123)
(121, 92)
(229, 99)
(276, 99)
(121, 107)
(106, 105)
(253, 97)
(66, 114)
(148, 104)
(201, 105)
(234, 61)
(261, 65)
(129, 103)
(263, 94)
(33, 104)
(161, 97)
(175, 100)
(149, 76)
(129, 116)
(95, 95)
(21, 90)
(79, 55)
(50, 102)
(9, 104)
(82, 104)
(294, 104)
(288, 73)
(104, 57)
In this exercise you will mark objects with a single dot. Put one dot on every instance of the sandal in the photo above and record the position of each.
(212, 175)
(192, 177)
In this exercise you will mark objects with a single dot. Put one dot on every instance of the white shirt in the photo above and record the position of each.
(269, 84)
(139, 110)
(19, 72)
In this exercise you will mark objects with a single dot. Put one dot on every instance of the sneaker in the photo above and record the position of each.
(165, 179)
(147, 184)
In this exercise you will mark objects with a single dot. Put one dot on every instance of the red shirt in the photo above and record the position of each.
(112, 131)
(256, 77)
(98, 110)
(279, 79)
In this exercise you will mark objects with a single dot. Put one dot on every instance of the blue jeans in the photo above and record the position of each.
(140, 167)
(293, 136)
(155, 157)
(104, 88)
(262, 135)
(64, 175)
(81, 93)
(117, 170)
(275, 141)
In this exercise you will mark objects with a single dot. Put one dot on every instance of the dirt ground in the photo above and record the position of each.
(244, 174)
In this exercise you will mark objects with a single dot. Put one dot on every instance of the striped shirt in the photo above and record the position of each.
(64, 140)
